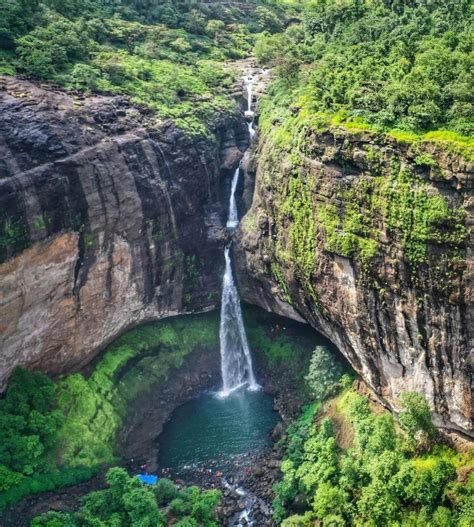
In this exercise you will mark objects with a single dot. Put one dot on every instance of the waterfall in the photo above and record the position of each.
(248, 81)
(249, 93)
(236, 361)
(251, 129)
(233, 220)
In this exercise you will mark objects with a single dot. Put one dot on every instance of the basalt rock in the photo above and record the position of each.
(108, 218)
(403, 327)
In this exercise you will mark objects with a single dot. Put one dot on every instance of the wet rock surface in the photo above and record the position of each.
(108, 218)
(401, 329)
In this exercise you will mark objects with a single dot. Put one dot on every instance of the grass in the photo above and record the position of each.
(48, 482)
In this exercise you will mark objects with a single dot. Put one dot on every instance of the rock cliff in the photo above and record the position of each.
(108, 218)
(366, 238)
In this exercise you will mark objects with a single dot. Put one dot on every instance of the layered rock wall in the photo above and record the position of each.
(366, 238)
(107, 218)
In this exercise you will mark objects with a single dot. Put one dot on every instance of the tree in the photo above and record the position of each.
(46, 51)
(16, 18)
(329, 499)
(416, 416)
(324, 373)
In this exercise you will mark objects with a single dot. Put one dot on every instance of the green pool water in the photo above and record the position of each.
(214, 432)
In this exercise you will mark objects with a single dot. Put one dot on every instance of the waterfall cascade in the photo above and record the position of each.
(233, 219)
(236, 361)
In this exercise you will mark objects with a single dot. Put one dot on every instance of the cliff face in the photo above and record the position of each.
(107, 219)
(366, 238)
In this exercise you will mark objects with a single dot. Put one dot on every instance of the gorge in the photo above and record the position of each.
(173, 169)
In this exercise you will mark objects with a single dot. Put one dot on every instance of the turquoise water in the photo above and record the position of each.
(216, 432)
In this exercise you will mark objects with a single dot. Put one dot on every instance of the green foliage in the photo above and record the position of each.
(128, 502)
(28, 424)
(404, 65)
(9, 478)
(375, 482)
(416, 416)
(46, 482)
(324, 374)
(16, 17)
(15, 236)
(166, 55)
(329, 499)
(48, 50)
(165, 491)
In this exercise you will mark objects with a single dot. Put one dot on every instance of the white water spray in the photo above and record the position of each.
(236, 361)
(233, 220)
(248, 81)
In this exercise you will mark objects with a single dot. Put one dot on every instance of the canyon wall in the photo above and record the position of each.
(367, 239)
(108, 218)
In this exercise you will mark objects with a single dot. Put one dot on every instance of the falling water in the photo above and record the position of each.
(236, 361)
(233, 220)
(248, 81)
(251, 129)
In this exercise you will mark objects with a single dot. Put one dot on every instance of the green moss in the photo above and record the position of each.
(351, 228)
(15, 236)
(351, 223)
(298, 247)
(418, 217)
(89, 240)
(279, 276)
(40, 223)
(95, 407)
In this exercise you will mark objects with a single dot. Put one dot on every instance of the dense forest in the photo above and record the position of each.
(387, 64)
(167, 55)
(402, 69)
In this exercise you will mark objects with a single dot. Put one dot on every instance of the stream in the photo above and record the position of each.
(216, 438)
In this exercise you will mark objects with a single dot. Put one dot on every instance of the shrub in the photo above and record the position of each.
(324, 373)
(165, 491)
